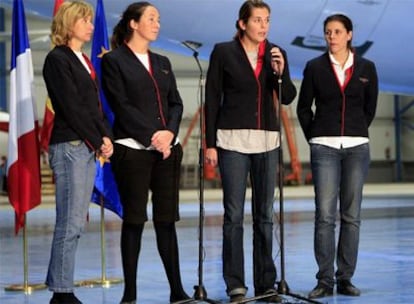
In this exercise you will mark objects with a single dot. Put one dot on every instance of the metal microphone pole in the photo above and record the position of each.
(200, 293)
(283, 287)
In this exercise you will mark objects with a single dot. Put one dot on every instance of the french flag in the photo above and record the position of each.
(23, 167)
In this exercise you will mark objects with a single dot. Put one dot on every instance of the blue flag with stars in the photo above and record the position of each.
(105, 189)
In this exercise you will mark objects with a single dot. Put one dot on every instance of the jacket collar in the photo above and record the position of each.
(152, 58)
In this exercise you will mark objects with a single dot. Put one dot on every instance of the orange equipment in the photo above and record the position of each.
(295, 177)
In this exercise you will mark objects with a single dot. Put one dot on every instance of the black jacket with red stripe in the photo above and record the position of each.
(326, 109)
(235, 98)
(142, 103)
(75, 99)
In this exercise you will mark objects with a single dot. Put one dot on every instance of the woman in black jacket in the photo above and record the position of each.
(242, 137)
(337, 104)
(79, 135)
(141, 89)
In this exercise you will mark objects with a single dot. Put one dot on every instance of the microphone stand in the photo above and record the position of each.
(200, 293)
(283, 287)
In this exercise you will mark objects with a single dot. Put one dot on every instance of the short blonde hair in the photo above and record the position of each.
(68, 13)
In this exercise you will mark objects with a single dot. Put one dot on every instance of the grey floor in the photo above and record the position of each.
(385, 271)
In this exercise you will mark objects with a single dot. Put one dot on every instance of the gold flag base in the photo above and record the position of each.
(25, 286)
(103, 281)
(27, 289)
(106, 283)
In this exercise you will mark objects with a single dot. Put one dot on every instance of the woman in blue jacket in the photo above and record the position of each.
(242, 137)
(337, 103)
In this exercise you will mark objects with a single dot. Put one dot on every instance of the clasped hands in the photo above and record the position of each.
(161, 141)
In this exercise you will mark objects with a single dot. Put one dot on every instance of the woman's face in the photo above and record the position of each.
(82, 30)
(148, 25)
(337, 37)
(257, 26)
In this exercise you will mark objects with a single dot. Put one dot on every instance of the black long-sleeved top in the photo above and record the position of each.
(142, 103)
(347, 112)
(235, 98)
(75, 100)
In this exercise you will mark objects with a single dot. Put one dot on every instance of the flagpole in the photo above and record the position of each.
(103, 281)
(105, 193)
(103, 244)
(26, 287)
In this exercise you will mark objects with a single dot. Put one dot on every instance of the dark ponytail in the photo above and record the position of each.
(122, 31)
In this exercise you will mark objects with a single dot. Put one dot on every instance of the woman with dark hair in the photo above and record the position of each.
(337, 104)
(242, 137)
(79, 134)
(141, 89)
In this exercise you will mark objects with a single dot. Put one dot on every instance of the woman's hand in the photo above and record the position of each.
(278, 62)
(161, 141)
(166, 153)
(211, 156)
(107, 148)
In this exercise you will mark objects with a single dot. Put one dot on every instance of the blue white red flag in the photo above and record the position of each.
(23, 166)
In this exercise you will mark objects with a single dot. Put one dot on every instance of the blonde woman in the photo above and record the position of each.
(79, 134)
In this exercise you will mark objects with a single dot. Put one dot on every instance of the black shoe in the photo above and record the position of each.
(320, 291)
(236, 298)
(345, 287)
(274, 298)
(64, 298)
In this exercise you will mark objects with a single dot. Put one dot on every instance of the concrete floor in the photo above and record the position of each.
(385, 272)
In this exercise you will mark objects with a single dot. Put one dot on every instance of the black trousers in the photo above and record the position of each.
(139, 171)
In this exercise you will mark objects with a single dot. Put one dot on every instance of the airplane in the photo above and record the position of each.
(382, 31)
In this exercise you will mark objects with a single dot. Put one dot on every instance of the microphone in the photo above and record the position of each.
(276, 58)
(194, 45)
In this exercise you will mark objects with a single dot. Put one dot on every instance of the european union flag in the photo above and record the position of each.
(105, 186)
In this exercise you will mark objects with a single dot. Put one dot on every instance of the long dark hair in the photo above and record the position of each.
(122, 31)
(245, 13)
(346, 21)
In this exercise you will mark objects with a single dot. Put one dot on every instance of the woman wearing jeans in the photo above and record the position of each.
(336, 106)
(243, 138)
(79, 135)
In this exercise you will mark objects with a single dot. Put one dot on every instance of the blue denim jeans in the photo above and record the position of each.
(74, 169)
(234, 169)
(338, 174)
